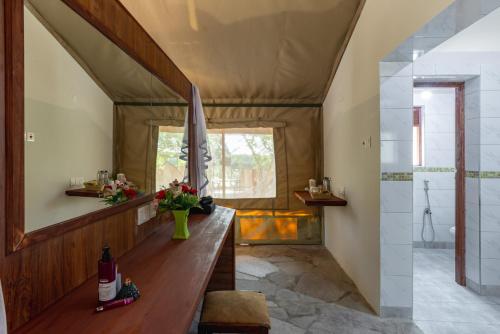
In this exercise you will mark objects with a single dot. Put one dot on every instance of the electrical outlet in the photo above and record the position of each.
(143, 214)
(366, 143)
(152, 210)
(30, 136)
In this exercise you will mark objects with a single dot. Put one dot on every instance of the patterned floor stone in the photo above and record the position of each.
(282, 327)
(312, 294)
(303, 322)
(253, 266)
(307, 292)
(315, 285)
(278, 313)
(246, 276)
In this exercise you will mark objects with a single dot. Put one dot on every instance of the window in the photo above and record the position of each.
(417, 136)
(168, 164)
(243, 164)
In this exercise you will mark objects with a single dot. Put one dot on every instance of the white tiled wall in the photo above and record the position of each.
(489, 188)
(396, 87)
(396, 215)
(482, 155)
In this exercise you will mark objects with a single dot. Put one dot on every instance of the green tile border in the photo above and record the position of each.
(489, 175)
(482, 174)
(472, 174)
(396, 176)
(404, 176)
(434, 169)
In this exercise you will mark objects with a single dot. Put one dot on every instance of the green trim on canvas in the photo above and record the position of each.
(434, 169)
(397, 176)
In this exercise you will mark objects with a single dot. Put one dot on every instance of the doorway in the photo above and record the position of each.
(439, 155)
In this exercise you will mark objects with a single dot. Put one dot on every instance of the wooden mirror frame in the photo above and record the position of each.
(113, 20)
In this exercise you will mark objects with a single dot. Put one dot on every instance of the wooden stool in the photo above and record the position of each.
(234, 312)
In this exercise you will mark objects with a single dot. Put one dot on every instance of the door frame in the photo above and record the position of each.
(460, 172)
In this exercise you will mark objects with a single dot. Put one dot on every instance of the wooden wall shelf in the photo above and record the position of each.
(83, 192)
(306, 198)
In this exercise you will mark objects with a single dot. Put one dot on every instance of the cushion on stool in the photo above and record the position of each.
(235, 307)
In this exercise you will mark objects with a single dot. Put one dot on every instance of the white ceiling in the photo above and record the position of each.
(482, 36)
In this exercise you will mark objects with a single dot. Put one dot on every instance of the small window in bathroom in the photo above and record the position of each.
(417, 136)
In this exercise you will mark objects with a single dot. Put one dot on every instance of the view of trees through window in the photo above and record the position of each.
(242, 166)
(246, 167)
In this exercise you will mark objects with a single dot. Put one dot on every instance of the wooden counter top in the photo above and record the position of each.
(171, 275)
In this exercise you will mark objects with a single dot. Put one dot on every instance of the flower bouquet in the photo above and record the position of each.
(119, 192)
(178, 198)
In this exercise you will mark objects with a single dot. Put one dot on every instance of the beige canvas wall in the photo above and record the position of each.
(73, 124)
(351, 115)
(297, 134)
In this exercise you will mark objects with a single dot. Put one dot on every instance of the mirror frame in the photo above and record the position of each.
(125, 32)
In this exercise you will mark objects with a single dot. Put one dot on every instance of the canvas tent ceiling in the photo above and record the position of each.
(121, 77)
(259, 51)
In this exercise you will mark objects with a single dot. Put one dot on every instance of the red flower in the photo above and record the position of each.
(193, 191)
(161, 194)
(130, 193)
(185, 188)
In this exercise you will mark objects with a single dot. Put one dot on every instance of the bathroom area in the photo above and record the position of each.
(456, 183)
(434, 166)
(434, 190)
(435, 197)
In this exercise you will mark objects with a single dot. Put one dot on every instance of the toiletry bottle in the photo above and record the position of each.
(106, 276)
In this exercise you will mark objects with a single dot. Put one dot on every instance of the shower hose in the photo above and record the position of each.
(427, 213)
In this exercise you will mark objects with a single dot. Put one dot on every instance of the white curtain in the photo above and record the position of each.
(204, 155)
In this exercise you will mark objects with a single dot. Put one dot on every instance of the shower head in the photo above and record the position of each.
(426, 184)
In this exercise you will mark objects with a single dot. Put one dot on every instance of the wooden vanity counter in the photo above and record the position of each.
(172, 277)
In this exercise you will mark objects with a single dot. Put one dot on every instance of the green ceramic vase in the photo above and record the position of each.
(181, 224)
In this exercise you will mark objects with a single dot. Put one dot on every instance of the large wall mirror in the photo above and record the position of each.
(74, 79)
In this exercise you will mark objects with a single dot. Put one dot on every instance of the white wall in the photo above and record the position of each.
(73, 124)
(438, 118)
(351, 114)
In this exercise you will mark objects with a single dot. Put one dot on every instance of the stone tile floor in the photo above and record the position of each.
(440, 306)
(308, 292)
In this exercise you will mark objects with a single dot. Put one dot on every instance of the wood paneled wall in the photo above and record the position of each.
(35, 277)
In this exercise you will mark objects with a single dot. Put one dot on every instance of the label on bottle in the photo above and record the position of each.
(107, 291)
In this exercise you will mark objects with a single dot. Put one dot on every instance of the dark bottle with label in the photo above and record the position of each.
(106, 276)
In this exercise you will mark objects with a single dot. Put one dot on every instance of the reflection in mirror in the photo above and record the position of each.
(74, 80)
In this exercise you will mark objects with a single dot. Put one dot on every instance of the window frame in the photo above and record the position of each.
(418, 123)
(242, 131)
